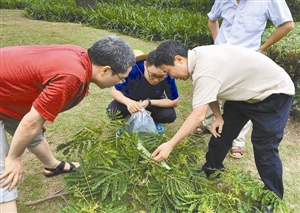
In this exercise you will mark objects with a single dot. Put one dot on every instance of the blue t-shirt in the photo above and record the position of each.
(137, 87)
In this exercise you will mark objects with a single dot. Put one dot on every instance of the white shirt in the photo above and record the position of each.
(224, 72)
(244, 23)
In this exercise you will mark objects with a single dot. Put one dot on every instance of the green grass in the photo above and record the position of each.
(17, 30)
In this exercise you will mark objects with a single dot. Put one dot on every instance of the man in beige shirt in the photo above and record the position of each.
(255, 88)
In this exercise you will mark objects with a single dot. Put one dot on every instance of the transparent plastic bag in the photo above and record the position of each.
(142, 123)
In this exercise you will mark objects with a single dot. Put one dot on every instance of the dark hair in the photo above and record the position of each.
(112, 51)
(167, 50)
(151, 58)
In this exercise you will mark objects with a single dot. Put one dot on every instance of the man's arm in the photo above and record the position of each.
(213, 27)
(192, 121)
(165, 102)
(279, 33)
(29, 127)
(132, 105)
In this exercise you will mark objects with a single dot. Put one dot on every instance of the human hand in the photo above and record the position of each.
(261, 50)
(12, 172)
(133, 106)
(217, 127)
(162, 152)
(144, 103)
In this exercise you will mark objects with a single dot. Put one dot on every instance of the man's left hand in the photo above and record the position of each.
(12, 172)
(217, 127)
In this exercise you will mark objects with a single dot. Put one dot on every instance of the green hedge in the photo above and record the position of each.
(286, 53)
(294, 6)
(145, 22)
(13, 4)
(202, 6)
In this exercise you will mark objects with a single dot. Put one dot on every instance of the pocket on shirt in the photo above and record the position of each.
(254, 23)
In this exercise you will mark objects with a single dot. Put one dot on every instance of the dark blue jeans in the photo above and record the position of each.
(269, 118)
(159, 114)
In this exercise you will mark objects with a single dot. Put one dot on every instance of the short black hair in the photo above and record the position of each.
(114, 52)
(151, 58)
(165, 53)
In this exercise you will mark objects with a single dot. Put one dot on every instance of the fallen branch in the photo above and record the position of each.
(32, 203)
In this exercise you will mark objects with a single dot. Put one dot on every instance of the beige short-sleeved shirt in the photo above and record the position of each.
(225, 72)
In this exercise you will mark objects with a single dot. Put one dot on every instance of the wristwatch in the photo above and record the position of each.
(149, 102)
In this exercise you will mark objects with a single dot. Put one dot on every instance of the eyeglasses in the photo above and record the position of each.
(122, 80)
(152, 75)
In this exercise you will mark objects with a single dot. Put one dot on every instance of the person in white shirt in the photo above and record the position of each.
(243, 23)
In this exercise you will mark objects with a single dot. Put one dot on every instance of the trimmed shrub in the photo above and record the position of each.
(294, 6)
(286, 53)
(14, 4)
(149, 23)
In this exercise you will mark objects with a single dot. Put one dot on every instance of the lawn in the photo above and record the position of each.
(17, 30)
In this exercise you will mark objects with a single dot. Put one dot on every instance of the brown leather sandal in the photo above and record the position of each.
(239, 150)
(200, 129)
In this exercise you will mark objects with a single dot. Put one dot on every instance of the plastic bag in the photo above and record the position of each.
(142, 123)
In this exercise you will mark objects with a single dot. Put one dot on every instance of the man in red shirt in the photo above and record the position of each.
(39, 82)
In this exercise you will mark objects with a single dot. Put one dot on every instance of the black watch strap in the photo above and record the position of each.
(149, 102)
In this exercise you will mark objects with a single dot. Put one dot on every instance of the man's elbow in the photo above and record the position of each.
(292, 25)
(176, 102)
(289, 26)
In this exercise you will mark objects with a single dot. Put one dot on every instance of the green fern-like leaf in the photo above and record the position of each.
(81, 141)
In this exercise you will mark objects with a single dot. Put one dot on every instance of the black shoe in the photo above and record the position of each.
(215, 175)
(202, 173)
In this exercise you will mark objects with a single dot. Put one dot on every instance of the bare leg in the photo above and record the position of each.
(44, 154)
(8, 207)
(240, 140)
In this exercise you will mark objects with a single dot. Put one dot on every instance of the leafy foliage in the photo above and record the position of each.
(115, 176)
(149, 22)
(286, 53)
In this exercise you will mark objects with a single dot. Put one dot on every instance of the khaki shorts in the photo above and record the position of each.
(5, 195)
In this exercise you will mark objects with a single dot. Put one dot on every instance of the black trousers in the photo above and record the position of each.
(159, 114)
(269, 118)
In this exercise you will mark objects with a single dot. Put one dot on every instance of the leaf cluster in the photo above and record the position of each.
(116, 176)
(286, 53)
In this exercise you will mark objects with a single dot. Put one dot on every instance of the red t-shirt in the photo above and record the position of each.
(52, 78)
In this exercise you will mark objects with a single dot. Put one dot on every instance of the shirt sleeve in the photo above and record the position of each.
(215, 11)
(205, 91)
(130, 80)
(171, 88)
(58, 95)
(279, 12)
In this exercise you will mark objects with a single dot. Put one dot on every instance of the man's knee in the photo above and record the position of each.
(37, 140)
(167, 116)
(8, 198)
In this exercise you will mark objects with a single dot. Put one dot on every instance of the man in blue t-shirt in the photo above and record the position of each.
(146, 87)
